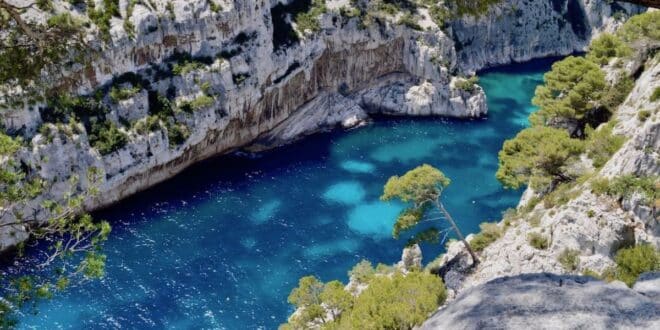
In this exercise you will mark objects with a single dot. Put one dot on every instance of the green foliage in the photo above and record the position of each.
(312, 298)
(198, 103)
(336, 299)
(170, 9)
(489, 233)
(642, 26)
(538, 241)
(472, 7)
(410, 21)
(468, 85)
(362, 272)
(569, 259)
(602, 144)
(643, 115)
(216, 8)
(537, 155)
(187, 66)
(624, 186)
(617, 93)
(656, 94)
(396, 302)
(177, 134)
(572, 89)
(149, 124)
(8, 145)
(308, 21)
(632, 262)
(606, 47)
(107, 138)
(64, 22)
(560, 195)
(419, 186)
(101, 17)
(118, 94)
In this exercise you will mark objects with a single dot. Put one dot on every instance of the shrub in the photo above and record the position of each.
(537, 155)
(646, 25)
(409, 21)
(571, 90)
(569, 259)
(177, 134)
(216, 8)
(362, 272)
(602, 144)
(8, 145)
(468, 85)
(625, 186)
(308, 21)
(605, 47)
(633, 261)
(150, 124)
(396, 302)
(656, 94)
(198, 103)
(107, 138)
(489, 233)
(643, 115)
(617, 93)
(185, 67)
(118, 94)
(538, 241)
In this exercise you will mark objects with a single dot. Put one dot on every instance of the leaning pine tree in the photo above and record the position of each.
(421, 188)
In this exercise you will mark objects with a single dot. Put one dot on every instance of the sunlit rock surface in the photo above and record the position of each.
(545, 301)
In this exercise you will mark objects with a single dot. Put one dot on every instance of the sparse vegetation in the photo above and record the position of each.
(122, 93)
(107, 138)
(489, 233)
(632, 262)
(538, 241)
(468, 85)
(569, 259)
(391, 301)
(643, 115)
(602, 144)
(624, 186)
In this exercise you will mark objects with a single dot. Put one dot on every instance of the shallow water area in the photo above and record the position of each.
(222, 244)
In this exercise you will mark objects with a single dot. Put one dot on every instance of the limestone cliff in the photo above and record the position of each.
(590, 225)
(545, 301)
(253, 78)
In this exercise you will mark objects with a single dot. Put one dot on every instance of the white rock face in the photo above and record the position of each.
(545, 301)
(507, 34)
(593, 226)
(267, 91)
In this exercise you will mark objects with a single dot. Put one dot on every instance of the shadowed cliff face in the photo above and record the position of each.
(546, 301)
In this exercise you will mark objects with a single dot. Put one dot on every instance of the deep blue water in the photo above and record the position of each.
(222, 244)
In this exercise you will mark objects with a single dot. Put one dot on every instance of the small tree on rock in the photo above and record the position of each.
(421, 188)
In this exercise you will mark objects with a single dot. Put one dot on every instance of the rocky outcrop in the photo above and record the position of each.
(546, 301)
(265, 88)
(507, 34)
(593, 227)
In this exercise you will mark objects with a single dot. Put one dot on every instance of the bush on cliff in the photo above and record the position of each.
(571, 91)
(632, 262)
(489, 233)
(107, 138)
(538, 156)
(391, 300)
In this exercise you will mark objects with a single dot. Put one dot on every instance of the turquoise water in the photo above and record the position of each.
(221, 245)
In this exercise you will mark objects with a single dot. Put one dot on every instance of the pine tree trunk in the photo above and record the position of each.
(440, 207)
